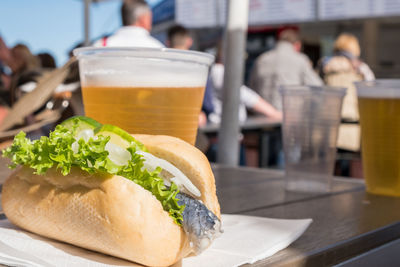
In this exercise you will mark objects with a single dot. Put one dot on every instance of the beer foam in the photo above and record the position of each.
(139, 72)
(379, 89)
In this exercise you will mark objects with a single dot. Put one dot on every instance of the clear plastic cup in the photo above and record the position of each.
(311, 118)
(144, 90)
(379, 105)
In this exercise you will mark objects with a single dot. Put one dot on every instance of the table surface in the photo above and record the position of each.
(347, 222)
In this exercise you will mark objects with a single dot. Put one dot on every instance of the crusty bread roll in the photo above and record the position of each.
(109, 214)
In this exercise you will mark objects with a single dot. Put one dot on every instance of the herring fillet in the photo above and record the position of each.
(200, 224)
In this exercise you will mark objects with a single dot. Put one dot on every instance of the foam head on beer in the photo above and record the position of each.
(154, 91)
(144, 73)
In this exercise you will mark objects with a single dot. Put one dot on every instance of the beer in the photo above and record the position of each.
(144, 90)
(380, 128)
(147, 110)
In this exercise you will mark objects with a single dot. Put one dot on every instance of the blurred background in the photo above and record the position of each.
(306, 30)
(57, 26)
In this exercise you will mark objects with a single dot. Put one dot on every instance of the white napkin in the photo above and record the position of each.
(245, 239)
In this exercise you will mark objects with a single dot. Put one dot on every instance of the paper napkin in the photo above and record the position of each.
(246, 239)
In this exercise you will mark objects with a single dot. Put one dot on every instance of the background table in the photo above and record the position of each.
(261, 138)
(252, 123)
(350, 227)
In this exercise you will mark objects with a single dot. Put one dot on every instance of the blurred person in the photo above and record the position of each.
(5, 55)
(249, 99)
(5, 79)
(179, 38)
(283, 65)
(5, 73)
(342, 70)
(137, 23)
(26, 70)
(5, 82)
(23, 59)
(46, 61)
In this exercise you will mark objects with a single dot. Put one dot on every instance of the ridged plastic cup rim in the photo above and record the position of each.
(380, 88)
(145, 53)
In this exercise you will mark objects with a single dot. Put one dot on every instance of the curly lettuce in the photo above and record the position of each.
(56, 151)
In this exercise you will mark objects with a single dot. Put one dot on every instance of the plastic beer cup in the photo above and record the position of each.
(144, 90)
(379, 106)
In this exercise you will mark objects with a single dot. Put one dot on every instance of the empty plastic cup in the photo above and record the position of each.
(311, 118)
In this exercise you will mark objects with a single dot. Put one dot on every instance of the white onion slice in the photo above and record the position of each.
(85, 135)
(180, 179)
(117, 154)
(75, 147)
(89, 164)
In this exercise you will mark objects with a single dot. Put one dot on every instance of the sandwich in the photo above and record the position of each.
(147, 199)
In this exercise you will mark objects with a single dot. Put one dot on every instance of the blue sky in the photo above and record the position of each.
(55, 26)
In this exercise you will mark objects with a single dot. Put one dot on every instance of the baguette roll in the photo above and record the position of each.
(106, 213)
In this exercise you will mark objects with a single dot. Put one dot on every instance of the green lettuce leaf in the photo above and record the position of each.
(57, 151)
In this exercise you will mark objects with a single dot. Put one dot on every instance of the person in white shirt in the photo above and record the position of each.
(249, 99)
(136, 20)
(179, 38)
